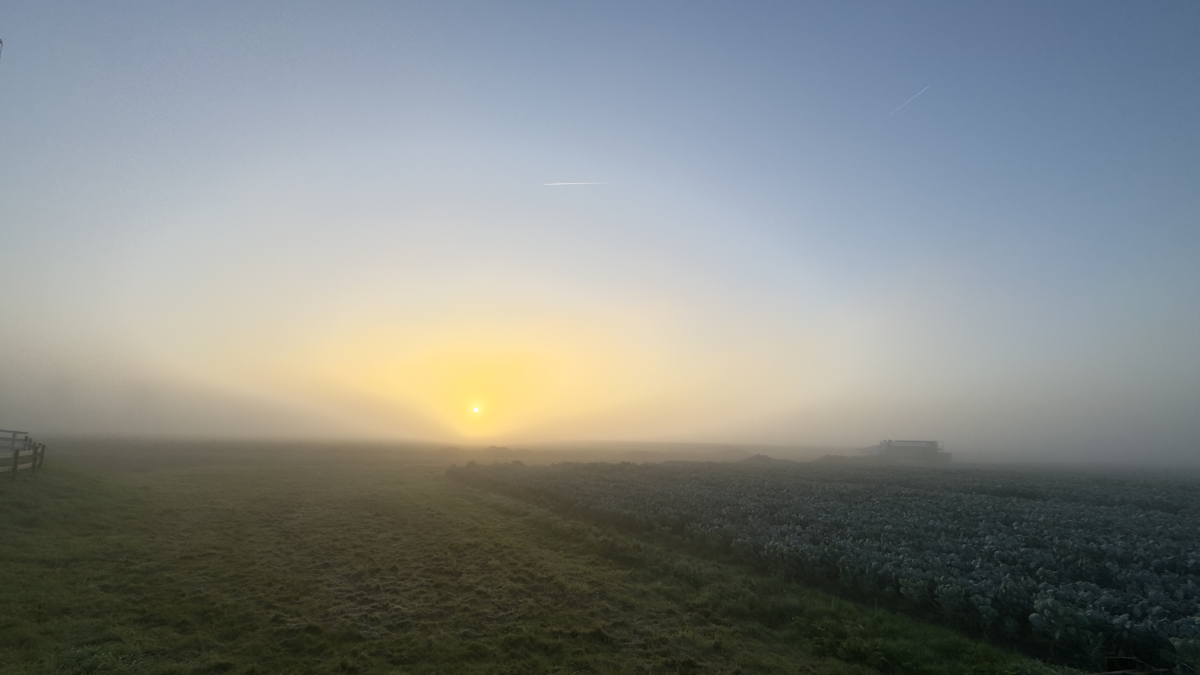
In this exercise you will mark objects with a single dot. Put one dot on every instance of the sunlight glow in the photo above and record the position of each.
(525, 372)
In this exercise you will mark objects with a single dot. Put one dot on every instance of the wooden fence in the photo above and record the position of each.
(20, 452)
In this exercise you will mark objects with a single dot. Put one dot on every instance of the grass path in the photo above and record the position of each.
(389, 568)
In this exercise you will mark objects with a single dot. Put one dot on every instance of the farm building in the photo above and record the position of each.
(919, 451)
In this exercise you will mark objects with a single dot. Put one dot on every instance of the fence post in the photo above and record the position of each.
(40, 454)
(16, 455)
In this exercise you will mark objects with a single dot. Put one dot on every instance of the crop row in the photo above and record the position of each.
(1095, 564)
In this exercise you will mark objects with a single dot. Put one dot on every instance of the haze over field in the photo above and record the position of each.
(478, 223)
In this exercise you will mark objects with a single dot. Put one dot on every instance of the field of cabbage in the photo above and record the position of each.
(1091, 564)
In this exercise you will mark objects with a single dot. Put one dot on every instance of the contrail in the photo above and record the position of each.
(576, 183)
(907, 102)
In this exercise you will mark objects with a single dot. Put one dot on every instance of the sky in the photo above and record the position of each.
(822, 224)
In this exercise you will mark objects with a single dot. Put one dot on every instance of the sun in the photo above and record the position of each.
(475, 409)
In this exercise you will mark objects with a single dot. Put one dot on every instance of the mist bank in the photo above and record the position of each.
(92, 395)
(128, 453)
(88, 397)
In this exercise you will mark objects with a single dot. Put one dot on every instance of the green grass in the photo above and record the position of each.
(372, 566)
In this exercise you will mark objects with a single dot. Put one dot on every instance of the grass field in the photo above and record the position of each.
(345, 563)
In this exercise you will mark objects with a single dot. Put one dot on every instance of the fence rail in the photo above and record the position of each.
(18, 451)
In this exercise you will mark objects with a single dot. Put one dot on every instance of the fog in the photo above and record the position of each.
(290, 222)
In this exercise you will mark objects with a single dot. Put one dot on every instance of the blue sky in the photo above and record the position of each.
(290, 219)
